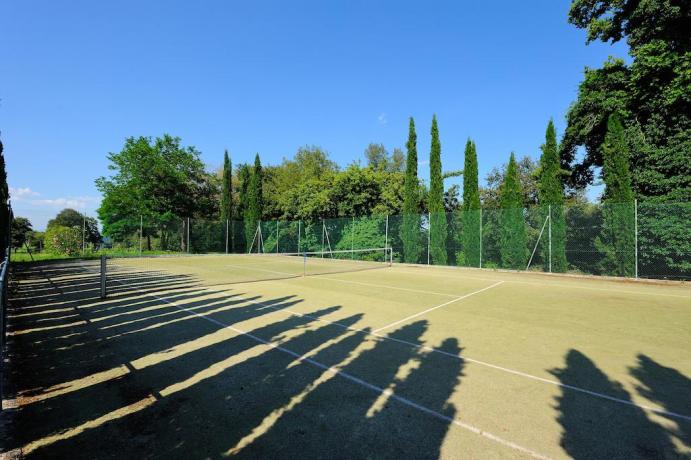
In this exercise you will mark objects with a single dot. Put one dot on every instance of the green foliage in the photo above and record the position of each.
(378, 158)
(63, 240)
(527, 175)
(513, 240)
(551, 198)
(227, 189)
(471, 208)
(255, 200)
(410, 228)
(617, 240)
(156, 179)
(4, 210)
(438, 227)
(21, 230)
(70, 218)
(651, 95)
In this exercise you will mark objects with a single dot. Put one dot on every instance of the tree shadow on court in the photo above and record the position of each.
(669, 388)
(372, 409)
(143, 377)
(595, 427)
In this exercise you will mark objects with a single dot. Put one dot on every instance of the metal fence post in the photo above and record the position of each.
(480, 237)
(429, 233)
(278, 237)
(141, 230)
(227, 235)
(635, 235)
(189, 250)
(549, 233)
(299, 228)
(352, 238)
(83, 233)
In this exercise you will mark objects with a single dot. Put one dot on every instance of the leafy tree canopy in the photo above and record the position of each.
(155, 178)
(651, 95)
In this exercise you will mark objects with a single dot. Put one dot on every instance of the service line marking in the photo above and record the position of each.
(437, 307)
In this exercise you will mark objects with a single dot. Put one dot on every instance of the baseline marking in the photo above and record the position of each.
(438, 306)
(338, 372)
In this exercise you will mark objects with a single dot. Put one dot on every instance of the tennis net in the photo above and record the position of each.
(180, 271)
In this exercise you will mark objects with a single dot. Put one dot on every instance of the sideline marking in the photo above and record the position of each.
(438, 306)
(338, 372)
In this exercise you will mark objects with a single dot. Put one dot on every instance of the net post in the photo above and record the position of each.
(304, 264)
(103, 277)
(429, 233)
(549, 232)
(635, 235)
(141, 231)
(480, 237)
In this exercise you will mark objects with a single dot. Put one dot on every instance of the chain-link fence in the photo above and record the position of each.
(645, 240)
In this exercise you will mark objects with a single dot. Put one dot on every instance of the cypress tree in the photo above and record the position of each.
(617, 240)
(4, 210)
(513, 242)
(253, 209)
(410, 228)
(438, 227)
(227, 197)
(243, 175)
(227, 189)
(471, 207)
(551, 198)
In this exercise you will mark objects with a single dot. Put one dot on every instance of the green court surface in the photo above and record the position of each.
(237, 355)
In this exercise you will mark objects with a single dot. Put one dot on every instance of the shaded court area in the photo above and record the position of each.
(215, 356)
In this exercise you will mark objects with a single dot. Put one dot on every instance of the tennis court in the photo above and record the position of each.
(345, 356)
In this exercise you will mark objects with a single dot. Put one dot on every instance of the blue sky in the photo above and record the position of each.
(79, 77)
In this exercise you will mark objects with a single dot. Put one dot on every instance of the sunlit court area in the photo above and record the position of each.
(263, 356)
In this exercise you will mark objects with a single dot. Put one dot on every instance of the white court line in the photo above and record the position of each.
(438, 306)
(338, 372)
(421, 291)
(476, 361)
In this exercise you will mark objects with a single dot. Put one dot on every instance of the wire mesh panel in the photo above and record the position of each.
(664, 240)
(207, 236)
(615, 239)
(408, 234)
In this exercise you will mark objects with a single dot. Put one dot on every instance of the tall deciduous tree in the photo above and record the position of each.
(161, 181)
(471, 207)
(410, 228)
(513, 243)
(253, 208)
(650, 95)
(551, 199)
(438, 227)
(617, 240)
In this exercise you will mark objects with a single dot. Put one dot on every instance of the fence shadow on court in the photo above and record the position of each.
(134, 376)
(621, 430)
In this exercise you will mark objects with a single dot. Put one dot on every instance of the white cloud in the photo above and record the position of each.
(382, 119)
(80, 202)
(21, 193)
